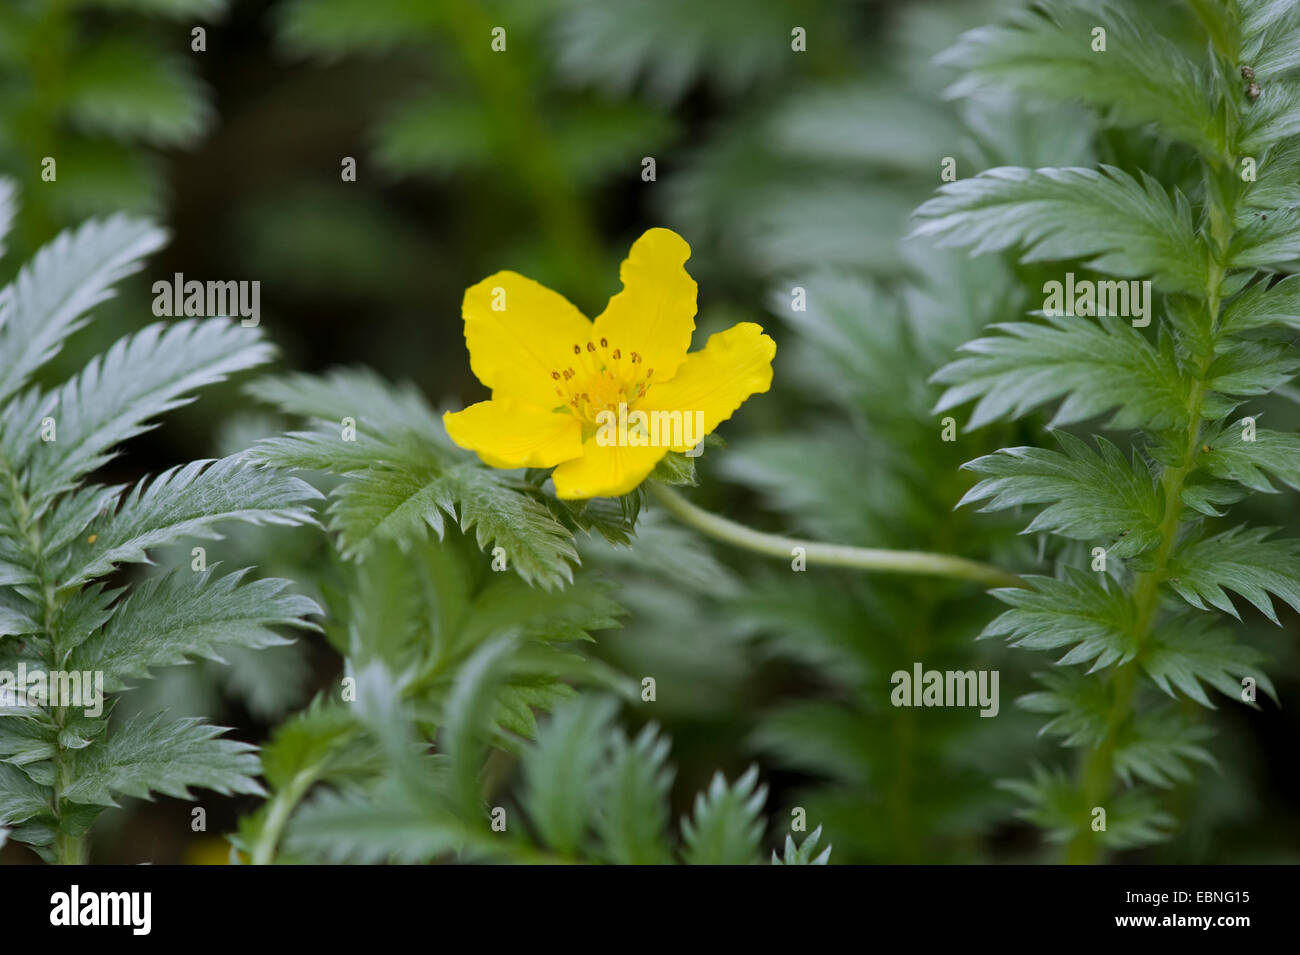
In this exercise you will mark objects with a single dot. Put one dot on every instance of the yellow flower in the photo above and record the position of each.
(603, 400)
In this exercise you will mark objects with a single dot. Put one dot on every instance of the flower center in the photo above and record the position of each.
(602, 377)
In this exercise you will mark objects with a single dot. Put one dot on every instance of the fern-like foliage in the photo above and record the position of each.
(64, 609)
(1145, 612)
(403, 476)
(412, 622)
(860, 459)
(587, 792)
(96, 86)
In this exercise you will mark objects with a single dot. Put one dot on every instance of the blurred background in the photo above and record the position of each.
(784, 170)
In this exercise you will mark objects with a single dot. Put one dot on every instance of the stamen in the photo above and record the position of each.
(590, 347)
(604, 343)
(555, 375)
(617, 356)
(577, 349)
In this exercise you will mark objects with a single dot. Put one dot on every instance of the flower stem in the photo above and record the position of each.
(830, 555)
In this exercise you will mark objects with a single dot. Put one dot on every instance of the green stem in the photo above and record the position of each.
(278, 813)
(68, 849)
(1097, 775)
(830, 555)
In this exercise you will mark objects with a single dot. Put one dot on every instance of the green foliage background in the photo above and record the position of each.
(783, 171)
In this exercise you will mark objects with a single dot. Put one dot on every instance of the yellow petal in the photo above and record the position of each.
(717, 379)
(605, 470)
(654, 315)
(519, 332)
(512, 434)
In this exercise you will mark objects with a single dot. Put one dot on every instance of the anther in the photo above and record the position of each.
(590, 347)
(604, 343)
(555, 375)
(577, 349)
(617, 356)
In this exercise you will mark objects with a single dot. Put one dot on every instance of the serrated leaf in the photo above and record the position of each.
(560, 772)
(14, 622)
(1251, 368)
(632, 819)
(803, 853)
(1086, 612)
(379, 408)
(726, 825)
(1133, 817)
(536, 545)
(188, 502)
(1160, 747)
(70, 275)
(1047, 52)
(176, 618)
(468, 711)
(1095, 364)
(151, 754)
(140, 378)
(21, 798)
(1270, 119)
(1243, 560)
(305, 741)
(123, 88)
(1185, 653)
(666, 45)
(1264, 304)
(509, 604)
(1121, 226)
(1090, 495)
(403, 476)
(675, 468)
(1251, 463)
(372, 828)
